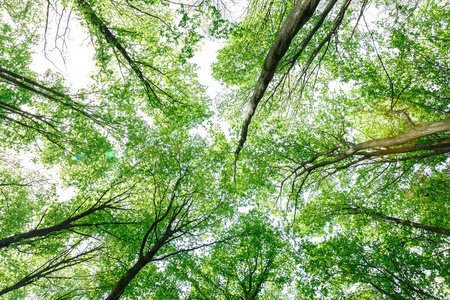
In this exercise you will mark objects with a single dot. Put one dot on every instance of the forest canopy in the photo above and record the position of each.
(320, 170)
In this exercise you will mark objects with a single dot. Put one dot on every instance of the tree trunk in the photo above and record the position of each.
(14, 239)
(441, 146)
(92, 19)
(413, 134)
(64, 225)
(440, 230)
(126, 279)
(119, 288)
(299, 15)
(403, 222)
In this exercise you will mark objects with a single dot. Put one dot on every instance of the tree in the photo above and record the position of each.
(348, 147)
(255, 265)
(332, 184)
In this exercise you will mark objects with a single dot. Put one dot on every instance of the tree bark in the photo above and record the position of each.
(119, 288)
(14, 239)
(64, 225)
(441, 146)
(413, 134)
(91, 18)
(403, 222)
(299, 15)
(439, 230)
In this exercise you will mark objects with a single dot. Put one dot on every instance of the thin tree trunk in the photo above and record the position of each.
(385, 292)
(68, 223)
(92, 19)
(440, 230)
(403, 222)
(50, 268)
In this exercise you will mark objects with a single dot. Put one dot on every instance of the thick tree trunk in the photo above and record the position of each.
(299, 15)
(66, 225)
(441, 146)
(355, 153)
(413, 134)
(118, 290)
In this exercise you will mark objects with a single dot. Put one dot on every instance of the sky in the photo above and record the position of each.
(76, 63)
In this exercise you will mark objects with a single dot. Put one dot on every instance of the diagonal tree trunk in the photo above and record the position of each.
(414, 134)
(355, 153)
(92, 19)
(119, 288)
(299, 15)
(70, 221)
(363, 210)
(403, 222)
(52, 266)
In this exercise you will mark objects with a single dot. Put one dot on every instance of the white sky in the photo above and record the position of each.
(204, 60)
(79, 59)
(79, 65)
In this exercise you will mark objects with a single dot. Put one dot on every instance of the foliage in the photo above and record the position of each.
(333, 184)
